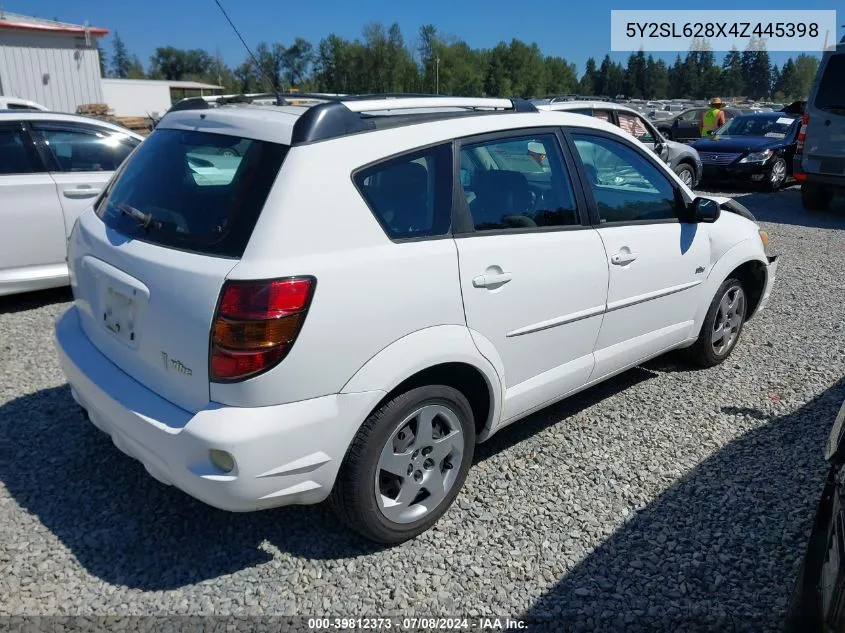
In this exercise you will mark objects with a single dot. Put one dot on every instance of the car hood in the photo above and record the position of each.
(738, 144)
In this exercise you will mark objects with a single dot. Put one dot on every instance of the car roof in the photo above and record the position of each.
(580, 105)
(42, 115)
(276, 123)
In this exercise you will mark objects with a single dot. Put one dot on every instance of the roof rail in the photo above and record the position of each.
(331, 120)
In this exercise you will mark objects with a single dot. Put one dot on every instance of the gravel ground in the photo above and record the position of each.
(661, 498)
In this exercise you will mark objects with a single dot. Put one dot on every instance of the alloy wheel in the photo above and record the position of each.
(728, 320)
(419, 463)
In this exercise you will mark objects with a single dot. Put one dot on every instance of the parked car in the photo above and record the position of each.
(683, 159)
(686, 126)
(52, 166)
(751, 148)
(819, 590)
(820, 159)
(378, 285)
(13, 103)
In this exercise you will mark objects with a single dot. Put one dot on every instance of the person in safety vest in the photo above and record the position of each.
(714, 117)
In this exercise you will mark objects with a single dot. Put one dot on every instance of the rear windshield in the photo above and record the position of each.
(193, 191)
(831, 92)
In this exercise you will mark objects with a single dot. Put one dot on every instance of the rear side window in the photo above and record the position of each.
(831, 92)
(86, 149)
(16, 154)
(193, 191)
(410, 195)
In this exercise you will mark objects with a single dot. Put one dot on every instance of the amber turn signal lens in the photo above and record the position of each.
(764, 237)
(255, 334)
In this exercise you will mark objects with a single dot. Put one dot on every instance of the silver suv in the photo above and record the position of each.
(820, 157)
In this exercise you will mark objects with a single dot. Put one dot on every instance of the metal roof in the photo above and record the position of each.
(187, 85)
(10, 20)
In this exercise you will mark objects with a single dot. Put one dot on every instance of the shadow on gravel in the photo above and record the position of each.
(127, 529)
(784, 207)
(32, 300)
(694, 558)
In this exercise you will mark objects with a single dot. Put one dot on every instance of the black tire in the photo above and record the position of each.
(775, 185)
(815, 197)
(353, 497)
(702, 351)
(667, 132)
(682, 169)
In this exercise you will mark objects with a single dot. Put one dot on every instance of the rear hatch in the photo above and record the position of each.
(149, 261)
(825, 134)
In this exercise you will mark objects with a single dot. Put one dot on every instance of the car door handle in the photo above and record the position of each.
(620, 259)
(81, 192)
(495, 279)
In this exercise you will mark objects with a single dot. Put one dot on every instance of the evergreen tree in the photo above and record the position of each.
(121, 62)
(732, 82)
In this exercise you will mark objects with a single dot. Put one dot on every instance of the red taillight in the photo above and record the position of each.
(256, 324)
(802, 133)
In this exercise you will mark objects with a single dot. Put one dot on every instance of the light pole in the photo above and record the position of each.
(437, 75)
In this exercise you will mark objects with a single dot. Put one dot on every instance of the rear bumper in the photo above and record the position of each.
(284, 454)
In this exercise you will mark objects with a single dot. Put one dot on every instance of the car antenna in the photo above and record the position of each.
(279, 99)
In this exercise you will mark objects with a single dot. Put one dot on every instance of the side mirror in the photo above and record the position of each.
(704, 210)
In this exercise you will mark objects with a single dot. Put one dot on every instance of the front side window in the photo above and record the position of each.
(626, 186)
(691, 116)
(517, 183)
(86, 149)
(411, 195)
(16, 154)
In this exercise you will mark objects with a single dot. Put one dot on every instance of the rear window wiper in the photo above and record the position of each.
(146, 219)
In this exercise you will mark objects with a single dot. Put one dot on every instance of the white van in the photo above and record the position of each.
(820, 157)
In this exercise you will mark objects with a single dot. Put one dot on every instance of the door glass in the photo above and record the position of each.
(517, 183)
(690, 116)
(15, 156)
(87, 150)
(604, 115)
(411, 195)
(627, 187)
(635, 126)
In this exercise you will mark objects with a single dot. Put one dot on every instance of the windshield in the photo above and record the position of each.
(831, 92)
(194, 191)
(767, 126)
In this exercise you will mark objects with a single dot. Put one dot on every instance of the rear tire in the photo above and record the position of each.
(401, 474)
(815, 197)
(722, 325)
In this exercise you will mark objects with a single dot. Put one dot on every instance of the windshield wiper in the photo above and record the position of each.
(146, 219)
(832, 107)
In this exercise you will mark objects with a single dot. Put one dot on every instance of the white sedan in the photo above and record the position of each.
(52, 166)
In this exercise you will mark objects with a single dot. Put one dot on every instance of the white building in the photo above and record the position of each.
(148, 97)
(52, 63)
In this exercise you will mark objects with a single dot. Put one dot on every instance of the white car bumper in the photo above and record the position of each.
(771, 275)
(284, 454)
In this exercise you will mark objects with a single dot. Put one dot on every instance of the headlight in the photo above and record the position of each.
(757, 157)
(835, 434)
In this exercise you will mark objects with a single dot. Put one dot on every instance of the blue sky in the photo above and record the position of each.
(575, 30)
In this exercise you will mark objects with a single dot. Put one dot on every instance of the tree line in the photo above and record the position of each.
(382, 61)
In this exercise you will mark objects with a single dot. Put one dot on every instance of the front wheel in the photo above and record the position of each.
(777, 175)
(406, 465)
(722, 325)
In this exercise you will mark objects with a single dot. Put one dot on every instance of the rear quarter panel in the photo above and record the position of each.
(370, 291)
